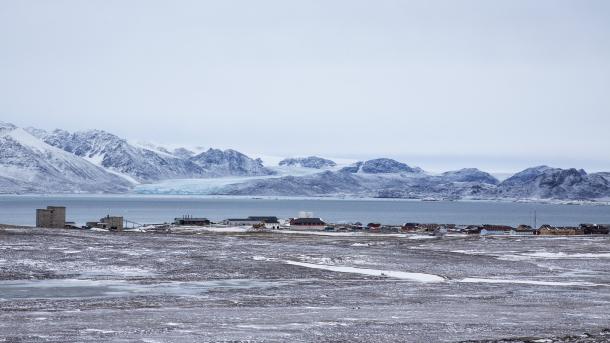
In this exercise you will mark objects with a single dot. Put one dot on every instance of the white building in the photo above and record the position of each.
(270, 222)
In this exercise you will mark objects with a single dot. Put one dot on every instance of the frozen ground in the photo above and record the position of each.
(77, 286)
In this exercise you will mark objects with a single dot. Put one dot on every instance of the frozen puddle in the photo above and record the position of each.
(419, 277)
(76, 288)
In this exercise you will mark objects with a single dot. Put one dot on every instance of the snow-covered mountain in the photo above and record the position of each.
(314, 162)
(545, 182)
(229, 162)
(146, 163)
(391, 179)
(374, 178)
(470, 175)
(28, 165)
(381, 166)
(36, 161)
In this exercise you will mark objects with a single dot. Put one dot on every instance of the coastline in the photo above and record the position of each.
(593, 202)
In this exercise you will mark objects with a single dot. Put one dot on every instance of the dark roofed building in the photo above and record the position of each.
(595, 229)
(410, 227)
(192, 221)
(307, 224)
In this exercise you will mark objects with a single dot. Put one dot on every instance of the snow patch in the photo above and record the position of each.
(531, 282)
(563, 255)
(418, 277)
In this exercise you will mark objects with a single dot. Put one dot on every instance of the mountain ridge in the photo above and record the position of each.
(37, 161)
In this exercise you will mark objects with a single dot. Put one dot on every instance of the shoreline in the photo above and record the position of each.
(604, 202)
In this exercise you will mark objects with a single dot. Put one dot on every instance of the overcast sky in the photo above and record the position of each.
(441, 84)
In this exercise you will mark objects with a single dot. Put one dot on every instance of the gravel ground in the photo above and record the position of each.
(83, 286)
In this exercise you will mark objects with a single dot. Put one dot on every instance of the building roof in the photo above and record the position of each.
(262, 219)
(307, 221)
(489, 227)
(266, 219)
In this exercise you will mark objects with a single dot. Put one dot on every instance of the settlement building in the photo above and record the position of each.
(560, 230)
(270, 222)
(192, 221)
(111, 223)
(307, 224)
(52, 216)
(410, 227)
(374, 227)
(595, 229)
(495, 230)
(523, 230)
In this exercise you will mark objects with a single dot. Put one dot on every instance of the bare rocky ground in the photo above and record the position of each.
(83, 286)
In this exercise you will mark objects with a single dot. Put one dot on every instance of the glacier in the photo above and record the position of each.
(95, 161)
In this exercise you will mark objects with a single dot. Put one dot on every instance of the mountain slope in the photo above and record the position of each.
(37, 161)
(470, 175)
(29, 165)
(229, 162)
(146, 163)
(117, 155)
(380, 166)
(389, 180)
(308, 162)
(553, 183)
(374, 178)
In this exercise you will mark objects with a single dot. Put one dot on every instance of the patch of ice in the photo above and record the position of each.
(422, 237)
(261, 258)
(231, 229)
(68, 288)
(419, 277)
(563, 255)
(344, 234)
(469, 252)
(98, 229)
(530, 282)
(99, 331)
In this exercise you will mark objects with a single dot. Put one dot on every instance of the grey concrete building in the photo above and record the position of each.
(112, 223)
(52, 217)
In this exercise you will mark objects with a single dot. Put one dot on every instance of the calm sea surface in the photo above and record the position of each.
(20, 209)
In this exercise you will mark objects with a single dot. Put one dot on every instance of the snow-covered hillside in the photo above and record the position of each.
(545, 182)
(391, 179)
(29, 165)
(314, 162)
(146, 163)
(374, 178)
(219, 163)
(37, 161)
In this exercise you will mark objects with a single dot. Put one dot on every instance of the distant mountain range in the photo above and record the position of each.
(95, 161)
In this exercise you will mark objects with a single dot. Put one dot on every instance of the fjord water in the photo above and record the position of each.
(20, 209)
